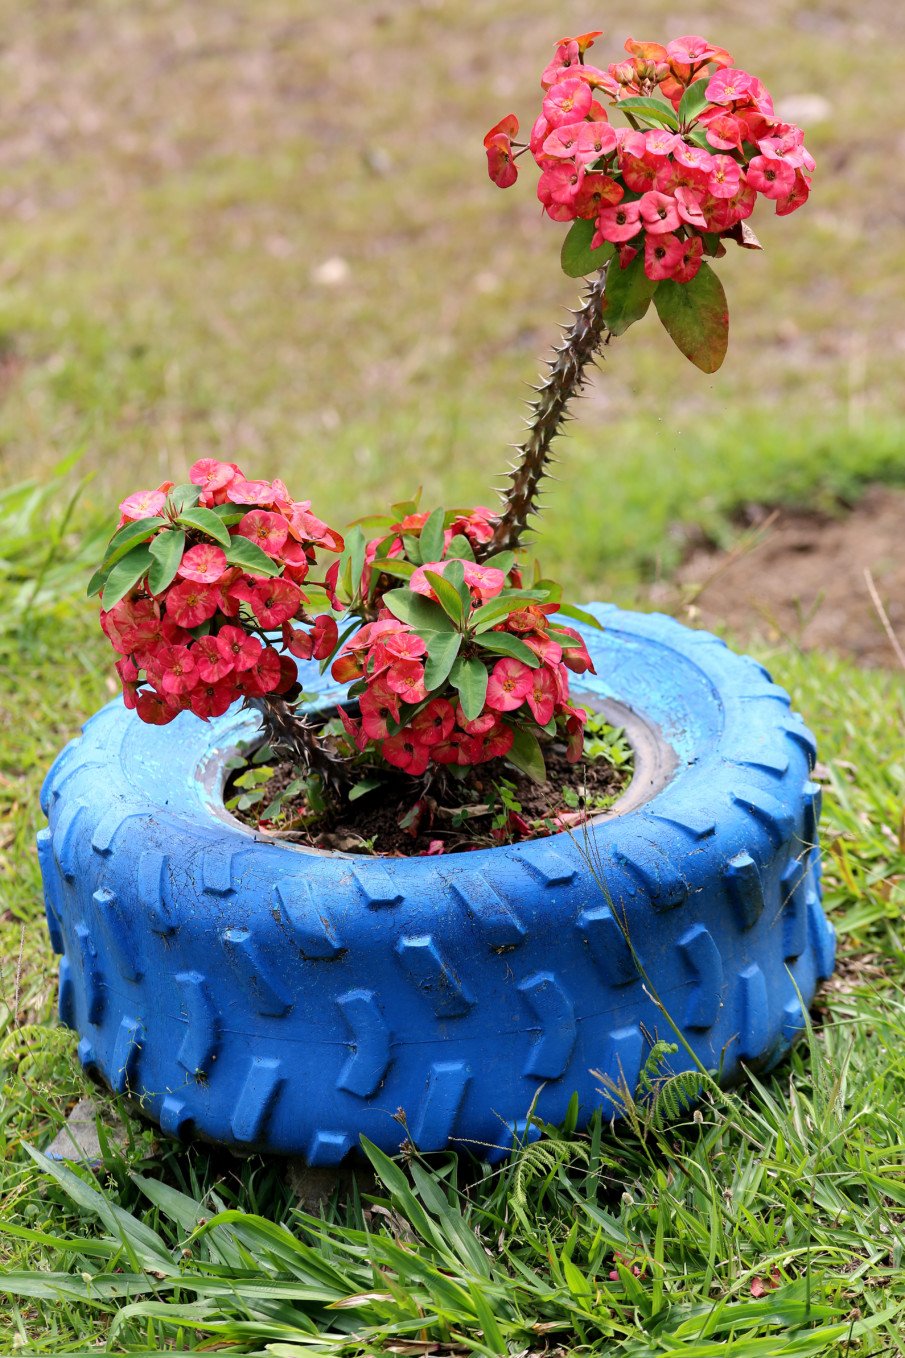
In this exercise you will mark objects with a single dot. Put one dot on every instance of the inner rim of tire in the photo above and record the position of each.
(655, 763)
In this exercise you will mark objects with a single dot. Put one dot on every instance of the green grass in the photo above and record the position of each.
(175, 179)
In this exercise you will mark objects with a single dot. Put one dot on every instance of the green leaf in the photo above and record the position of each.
(526, 754)
(627, 295)
(128, 537)
(576, 257)
(510, 601)
(469, 677)
(422, 614)
(448, 595)
(228, 514)
(249, 556)
(363, 786)
(206, 521)
(442, 650)
(501, 643)
(432, 536)
(455, 574)
(460, 547)
(580, 615)
(166, 549)
(96, 583)
(501, 561)
(400, 570)
(695, 315)
(693, 101)
(184, 496)
(653, 110)
(125, 574)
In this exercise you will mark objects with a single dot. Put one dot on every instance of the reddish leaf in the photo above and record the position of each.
(696, 317)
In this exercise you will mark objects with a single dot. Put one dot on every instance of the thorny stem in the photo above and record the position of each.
(290, 736)
(568, 374)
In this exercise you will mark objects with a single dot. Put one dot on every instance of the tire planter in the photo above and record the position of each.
(268, 996)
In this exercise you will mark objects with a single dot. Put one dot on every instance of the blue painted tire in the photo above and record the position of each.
(262, 995)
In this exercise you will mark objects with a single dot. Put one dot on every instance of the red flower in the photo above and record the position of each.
(324, 636)
(242, 649)
(618, 223)
(189, 603)
(205, 563)
(434, 723)
(659, 212)
(152, 708)
(297, 642)
(176, 667)
(211, 700)
(378, 705)
(266, 530)
(275, 602)
(541, 696)
(663, 255)
(405, 751)
(772, 177)
(213, 659)
(567, 101)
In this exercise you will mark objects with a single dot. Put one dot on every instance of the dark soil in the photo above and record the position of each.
(800, 577)
(371, 824)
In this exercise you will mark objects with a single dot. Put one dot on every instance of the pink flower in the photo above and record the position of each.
(434, 723)
(773, 178)
(790, 147)
(597, 191)
(275, 602)
(693, 158)
(725, 174)
(508, 685)
(660, 143)
(501, 166)
(618, 223)
(692, 49)
(688, 205)
(577, 659)
(406, 678)
(639, 172)
(567, 102)
(242, 650)
(725, 132)
(404, 751)
(728, 86)
(560, 183)
(132, 624)
(242, 492)
(267, 531)
(662, 256)
(692, 258)
(486, 582)
(213, 659)
(189, 603)
(796, 198)
(176, 667)
(541, 696)
(658, 212)
(213, 477)
(405, 645)
(144, 504)
(205, 563)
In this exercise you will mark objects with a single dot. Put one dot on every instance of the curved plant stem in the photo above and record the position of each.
(569, 371)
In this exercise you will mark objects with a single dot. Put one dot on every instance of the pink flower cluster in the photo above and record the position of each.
(200, 644)
(656, 188)
(411, 725)
(475, 525)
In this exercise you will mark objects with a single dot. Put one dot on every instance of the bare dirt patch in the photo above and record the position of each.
(800, 577)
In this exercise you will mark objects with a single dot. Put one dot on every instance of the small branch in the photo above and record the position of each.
(568, 374)
(884, 617)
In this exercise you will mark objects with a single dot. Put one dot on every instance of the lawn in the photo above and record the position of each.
(247, 231)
